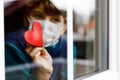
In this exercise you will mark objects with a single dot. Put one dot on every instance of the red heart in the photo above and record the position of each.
(35, 36)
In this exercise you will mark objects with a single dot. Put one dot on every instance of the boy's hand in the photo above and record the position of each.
(42, 59)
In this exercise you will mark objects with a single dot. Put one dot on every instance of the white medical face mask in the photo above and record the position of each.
(51, 31)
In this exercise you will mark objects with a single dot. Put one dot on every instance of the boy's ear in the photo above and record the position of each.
(63, 31)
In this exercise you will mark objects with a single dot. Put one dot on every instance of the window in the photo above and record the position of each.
(113, 72)
(114, 58)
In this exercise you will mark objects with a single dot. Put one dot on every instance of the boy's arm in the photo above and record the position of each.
(16, 64)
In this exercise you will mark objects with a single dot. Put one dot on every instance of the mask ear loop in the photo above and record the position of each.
(30, 24)
(32, 21)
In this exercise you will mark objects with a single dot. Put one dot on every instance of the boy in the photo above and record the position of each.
(18, 52)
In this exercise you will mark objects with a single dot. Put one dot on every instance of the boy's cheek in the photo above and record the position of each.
(63, 30)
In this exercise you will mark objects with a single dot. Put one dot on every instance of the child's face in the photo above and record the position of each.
(53, 23)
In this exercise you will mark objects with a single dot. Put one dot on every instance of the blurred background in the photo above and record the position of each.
(84, 24)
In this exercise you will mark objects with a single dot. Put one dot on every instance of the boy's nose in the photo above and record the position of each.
(47, 18)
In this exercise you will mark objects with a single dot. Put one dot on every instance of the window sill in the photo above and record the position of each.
(106, 75)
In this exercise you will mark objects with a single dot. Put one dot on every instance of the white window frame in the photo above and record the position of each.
(2, 66)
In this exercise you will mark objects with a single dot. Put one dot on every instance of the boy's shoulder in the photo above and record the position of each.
(16, 37)
(18, 34)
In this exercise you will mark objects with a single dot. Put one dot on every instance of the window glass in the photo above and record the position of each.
(90, 36)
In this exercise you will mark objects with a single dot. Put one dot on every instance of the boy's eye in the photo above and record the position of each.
(55, 20)
(37, 16)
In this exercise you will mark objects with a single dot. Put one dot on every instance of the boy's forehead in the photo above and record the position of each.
(39, 10)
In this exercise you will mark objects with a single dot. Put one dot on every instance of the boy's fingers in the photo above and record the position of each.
(29, 48)
(44, 52)
(35, 51)
(35, 56)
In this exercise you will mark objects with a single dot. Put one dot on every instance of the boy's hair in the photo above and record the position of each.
(46, 6)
